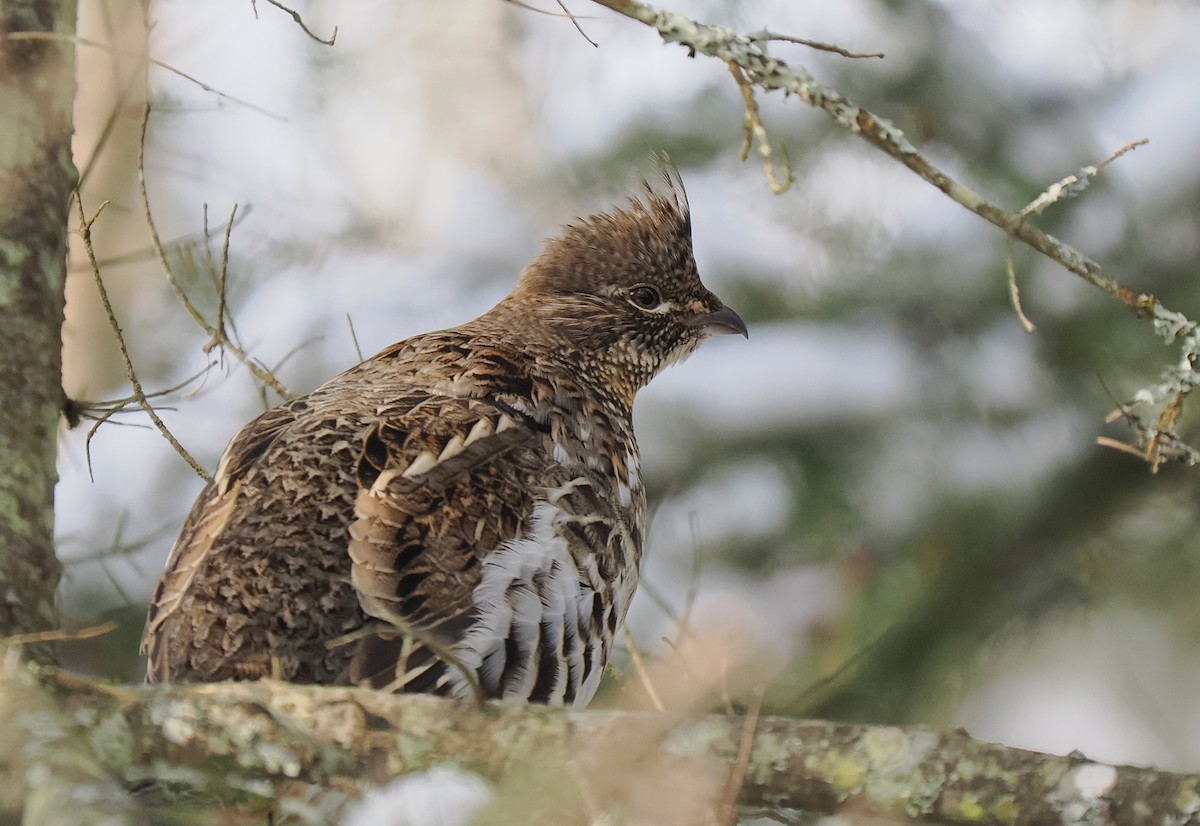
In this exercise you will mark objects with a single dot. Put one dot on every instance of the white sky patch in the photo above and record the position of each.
(787, 373)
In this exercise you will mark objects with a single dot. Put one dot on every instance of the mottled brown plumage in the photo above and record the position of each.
(463, 513)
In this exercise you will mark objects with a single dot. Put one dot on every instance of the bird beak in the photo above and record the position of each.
(723, 322)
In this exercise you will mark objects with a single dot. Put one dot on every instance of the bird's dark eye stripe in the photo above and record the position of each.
(645, 296)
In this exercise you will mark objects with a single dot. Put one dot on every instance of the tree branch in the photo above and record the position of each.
(237, 741)
(771, 73)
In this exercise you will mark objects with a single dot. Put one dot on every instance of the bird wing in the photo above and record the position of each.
(480, 561)
(475, 548)
(442, 485)
(207, 519)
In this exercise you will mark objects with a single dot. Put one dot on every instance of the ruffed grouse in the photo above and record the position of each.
(463, 513)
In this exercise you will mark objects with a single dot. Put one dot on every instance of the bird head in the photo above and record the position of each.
(621, 287)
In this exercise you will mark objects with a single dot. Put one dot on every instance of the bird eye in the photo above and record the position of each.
(645, 297)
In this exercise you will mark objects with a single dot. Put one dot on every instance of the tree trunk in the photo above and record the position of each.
(37, 176)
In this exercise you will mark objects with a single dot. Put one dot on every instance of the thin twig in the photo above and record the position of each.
(640, 667)
(101, 412)
(224, 272)
(83, 41)
(300, 22)
(264, 375)
(536, 10)
(1068, 187)
(354, 337)
(84, 407)
(813, 690)
(59, 635)
(1073, 185)
(1014, 292)
(683, 663)
(575, 23)
(812, 44)
(118, 548)
(146, 253)
(85, 232)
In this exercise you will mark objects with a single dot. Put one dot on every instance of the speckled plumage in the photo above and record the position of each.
(462, 513)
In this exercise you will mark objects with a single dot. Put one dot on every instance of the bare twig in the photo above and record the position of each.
(1014, 292)
(812, 44)
(147, 253)
(117, 548)
(1157, 443)
(83, 41)
(575, 23)
(529, 7)
(354, 337)
(85, 408)
(221, 303)
(299, 22)
(102, 412)
(218, 335)
(85, 232)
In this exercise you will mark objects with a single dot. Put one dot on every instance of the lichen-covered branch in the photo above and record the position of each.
(37, 89)
(247, 741)
(771, 73)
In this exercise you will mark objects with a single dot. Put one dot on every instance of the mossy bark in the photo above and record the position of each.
(37, 176)
(76, 743)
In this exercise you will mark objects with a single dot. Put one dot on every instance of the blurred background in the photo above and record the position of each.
(891, 493)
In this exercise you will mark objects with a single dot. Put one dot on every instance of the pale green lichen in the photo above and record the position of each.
(698, 739)
(969, 808)
(272, 757)
(1005, 809)
(176, 719)
(771, 756)
(111, 739)
(846, 776)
